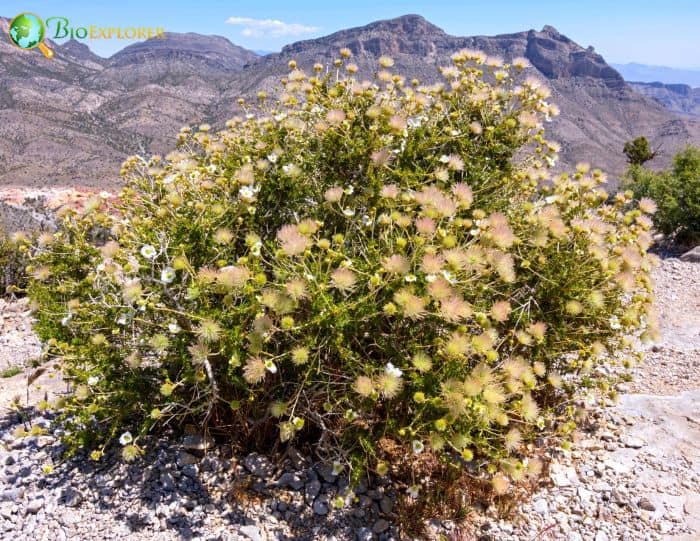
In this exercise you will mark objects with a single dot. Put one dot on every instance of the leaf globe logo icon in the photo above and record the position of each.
(27, 32)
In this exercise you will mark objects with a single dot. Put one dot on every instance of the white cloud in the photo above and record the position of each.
(262, 28)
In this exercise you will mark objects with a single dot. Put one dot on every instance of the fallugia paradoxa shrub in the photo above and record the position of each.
(363, 265)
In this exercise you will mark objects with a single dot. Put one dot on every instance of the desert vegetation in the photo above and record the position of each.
(385, 271)
(676, 191)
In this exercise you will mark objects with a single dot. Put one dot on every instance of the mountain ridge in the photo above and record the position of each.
(78, 115)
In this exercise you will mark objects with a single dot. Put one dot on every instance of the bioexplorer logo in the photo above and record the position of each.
(27, 31)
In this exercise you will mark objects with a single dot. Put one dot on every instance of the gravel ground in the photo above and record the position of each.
(633, 475)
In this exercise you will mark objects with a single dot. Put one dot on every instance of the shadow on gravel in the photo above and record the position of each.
(171, 491)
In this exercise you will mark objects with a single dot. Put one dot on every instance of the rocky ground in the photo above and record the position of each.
(633, 475)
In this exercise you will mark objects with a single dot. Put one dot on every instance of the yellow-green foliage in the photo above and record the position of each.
(376, 265)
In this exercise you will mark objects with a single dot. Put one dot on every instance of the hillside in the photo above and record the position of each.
(71, 121)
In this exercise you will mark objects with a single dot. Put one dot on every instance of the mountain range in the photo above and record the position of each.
(70, 121)
(659, 74)
(679, 98)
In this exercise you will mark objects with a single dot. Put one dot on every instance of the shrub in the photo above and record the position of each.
(385, 270)
(675, 192)
(13, 260)
(638, 151)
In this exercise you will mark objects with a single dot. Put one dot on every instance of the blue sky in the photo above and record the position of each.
(650, 32)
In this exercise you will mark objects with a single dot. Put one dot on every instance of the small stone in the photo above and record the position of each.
(197, 443)
(380, 526)
(251, 532)
(633, 443)
(364, 534)
(563, 476)
(326, 471)
(541, 507)
(312, 490)
(184, 458)
(617, 467)
(645, 504)
(386, 505)
(320, 506)
(601, 535)
(291, 480)
(691, 256)
(9, 460)
(34, 506)
(664, 526)
(259, 465)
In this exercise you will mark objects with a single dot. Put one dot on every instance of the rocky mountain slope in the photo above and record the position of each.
(681, 99)
(72, 120)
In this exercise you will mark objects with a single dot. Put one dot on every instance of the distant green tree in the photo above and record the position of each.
(638, 151)
(676, 193)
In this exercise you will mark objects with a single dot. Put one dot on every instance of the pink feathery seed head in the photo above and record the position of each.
(292, 241)
(432, 264)
(463, 193)
(343, 279)
(397, 264)
(397, 123)
(425, 226)
(440, 289)
(334, 194)
(390, 191)
(381, 157)
(335, 116)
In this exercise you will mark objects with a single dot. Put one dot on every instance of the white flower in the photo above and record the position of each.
(455, 133)
(280, 117)
(100, 267)
(392, 370)
(148, 251)
(246, 193)
(126, 438)
(212, 168)
(410, 278)
(271, 367)
(366, 220)
(93, 380)
(122, 320)
(105, 195)
(449, 276)
(337, 468)
(174, 328)
(169, 179)
(255, 249)
(551, 199)
(444, 158)
(66, 320)
(430, 278)
(417, 446)
(349, 190)
(349, 212)
(167, 275)
(413, 491)
(250, 116)
(615, 323)
(309, 276)
(272, 158)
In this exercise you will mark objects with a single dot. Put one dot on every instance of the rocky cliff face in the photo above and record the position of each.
(72, 120)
